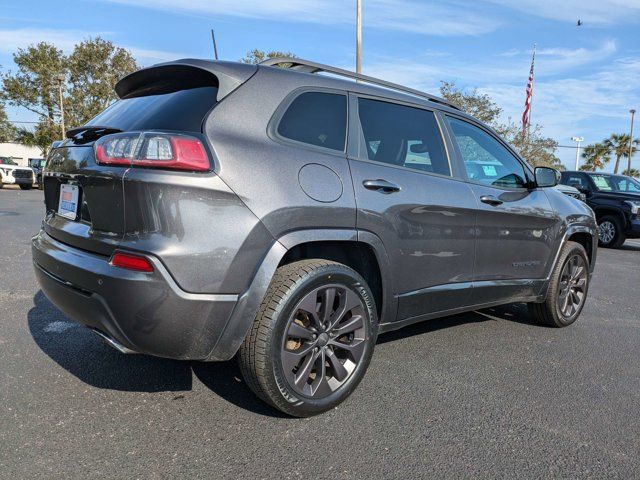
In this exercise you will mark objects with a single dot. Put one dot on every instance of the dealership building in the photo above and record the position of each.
(20, 154)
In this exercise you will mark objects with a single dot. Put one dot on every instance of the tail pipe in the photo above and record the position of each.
(111, 342)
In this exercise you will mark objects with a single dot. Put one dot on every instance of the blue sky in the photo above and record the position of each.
(587, 78)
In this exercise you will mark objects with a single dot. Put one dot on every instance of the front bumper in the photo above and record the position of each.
(144, 312)
(633, 227)
(9, 180)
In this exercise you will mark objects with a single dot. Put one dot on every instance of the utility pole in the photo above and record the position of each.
(215, 46)
(60, 79)
(632, 112)
(358, 36)
(577, 140)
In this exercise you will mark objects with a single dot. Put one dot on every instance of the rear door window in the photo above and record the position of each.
(316, 118)
(403, 136)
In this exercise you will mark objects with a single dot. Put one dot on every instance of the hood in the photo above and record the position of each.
(622, 196)
(14, 167)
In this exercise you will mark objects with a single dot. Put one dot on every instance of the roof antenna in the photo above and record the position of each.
(215, 47)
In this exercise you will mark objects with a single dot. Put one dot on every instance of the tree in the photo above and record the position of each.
(256, 56)
(618, 144)
(95, 66)
(535, 148)
(7, 131)
(479, 105)
(596, 156)
(634, 172)
(89, 75)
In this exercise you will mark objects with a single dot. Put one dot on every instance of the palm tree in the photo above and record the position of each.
(634, 172)
(596, 156)
(618, 144)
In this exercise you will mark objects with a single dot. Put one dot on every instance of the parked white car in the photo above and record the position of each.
(13, 174)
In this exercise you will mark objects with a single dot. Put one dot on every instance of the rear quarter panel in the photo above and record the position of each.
(264, 172)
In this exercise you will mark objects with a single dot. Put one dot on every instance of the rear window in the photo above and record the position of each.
(316, 118)
(183, 110)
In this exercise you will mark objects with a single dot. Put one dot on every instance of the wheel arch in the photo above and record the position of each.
(605, 210)
(354, 248)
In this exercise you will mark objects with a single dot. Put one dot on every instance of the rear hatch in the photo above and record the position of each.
(85, 197)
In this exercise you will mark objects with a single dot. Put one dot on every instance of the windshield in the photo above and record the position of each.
(7, 161)
(616, 183)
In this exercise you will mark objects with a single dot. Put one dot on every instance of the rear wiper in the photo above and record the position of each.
(89, 133)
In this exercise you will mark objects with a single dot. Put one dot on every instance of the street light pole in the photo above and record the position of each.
(60, 79)
(577, 140)
(358, 36)
(632, 112)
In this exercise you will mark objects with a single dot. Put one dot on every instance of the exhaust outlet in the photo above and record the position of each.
(112, 343)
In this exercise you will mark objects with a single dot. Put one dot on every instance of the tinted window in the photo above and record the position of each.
(612, 183)
(485, 158)
(182, 110)
(316, 118)
(403, 136)
(575, 179)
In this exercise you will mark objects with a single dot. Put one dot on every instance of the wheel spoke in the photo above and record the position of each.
(355, 348)
(565, 303)
(298, 331)
(329, 296)
(310, 305)
(306, 368)
(348, 301)
(339, 372)
(578, 272)
(581, 284)
(321, 372)
(291, 358)
(354, 323)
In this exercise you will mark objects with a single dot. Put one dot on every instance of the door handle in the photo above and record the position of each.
(491, 200)
(381, 185)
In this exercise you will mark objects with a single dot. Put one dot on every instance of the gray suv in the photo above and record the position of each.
(288, 217)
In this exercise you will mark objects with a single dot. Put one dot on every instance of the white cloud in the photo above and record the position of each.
(592, 102)
(591, 12)
(421, 17)
(12, 39)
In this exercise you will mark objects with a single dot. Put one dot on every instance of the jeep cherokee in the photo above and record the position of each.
(289, 217)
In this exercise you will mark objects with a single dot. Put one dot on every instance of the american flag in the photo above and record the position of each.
(527, 102)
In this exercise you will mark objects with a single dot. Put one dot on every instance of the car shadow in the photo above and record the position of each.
(517, 313)
(82, 353)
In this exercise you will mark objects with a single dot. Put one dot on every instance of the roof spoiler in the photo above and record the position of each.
(186, 73)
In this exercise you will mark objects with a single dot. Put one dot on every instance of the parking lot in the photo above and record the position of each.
(486, 394)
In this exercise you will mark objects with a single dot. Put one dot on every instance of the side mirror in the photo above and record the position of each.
(581, 189)
(547, 177)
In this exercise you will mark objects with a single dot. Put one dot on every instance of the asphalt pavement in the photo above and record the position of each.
(482, 395)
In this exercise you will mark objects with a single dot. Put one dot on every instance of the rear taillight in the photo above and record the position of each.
(152, 149)
(131, 262)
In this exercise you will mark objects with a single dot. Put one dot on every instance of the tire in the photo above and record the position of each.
(25, 187)
(610, 232)
(272, 358)
(564, 285)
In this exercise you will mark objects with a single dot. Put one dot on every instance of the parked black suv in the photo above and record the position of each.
(289, 217)
(615, 199)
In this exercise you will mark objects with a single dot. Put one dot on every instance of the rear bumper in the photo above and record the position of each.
(144, 312)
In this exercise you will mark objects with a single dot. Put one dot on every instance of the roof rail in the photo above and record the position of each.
(307, 66)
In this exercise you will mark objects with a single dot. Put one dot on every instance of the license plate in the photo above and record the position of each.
(68, 204)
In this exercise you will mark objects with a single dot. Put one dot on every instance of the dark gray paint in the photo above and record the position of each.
(217, 238)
